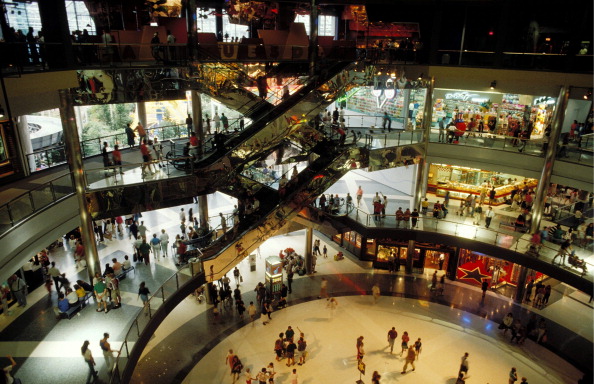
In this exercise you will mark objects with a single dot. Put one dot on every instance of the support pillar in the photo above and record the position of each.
(313, 39)
(141, 111)
(453, 264)
(547, 169)
(208, 293)
(25, 146)
(423, 166)
(405, 103)
(57, 50)
(219, 23)
(192, 28)
(410, 252)
(197, 119)
(521, 286)
(75, 162)
(308, 250)
(203, 211)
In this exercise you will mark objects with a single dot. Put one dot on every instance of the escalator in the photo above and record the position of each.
(331, 164)
(290, 119)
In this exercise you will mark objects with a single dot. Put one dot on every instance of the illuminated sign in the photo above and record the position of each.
(465, 96)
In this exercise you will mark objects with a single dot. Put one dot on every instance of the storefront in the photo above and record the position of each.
(352, 242)
(499, 113)
(461, 181)
(475, 267)
(386, 251)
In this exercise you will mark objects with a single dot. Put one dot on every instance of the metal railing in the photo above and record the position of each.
(126, 174)
(144, 316)
(501, 239)
(534, 147)
(23, 206)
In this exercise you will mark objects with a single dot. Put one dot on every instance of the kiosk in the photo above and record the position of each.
(274, 275)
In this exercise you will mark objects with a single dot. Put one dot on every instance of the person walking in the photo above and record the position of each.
(489, 216)
(418, 347)
(143, 294)
(513, 376)
(410, 359)
(359, 196)
(156, 246)
(107, 352)
(88, 356)
(251, 310)
(404, 344)
(463, 365)
(164, 239)
(392, 335)
(375, 291)
(323, 289)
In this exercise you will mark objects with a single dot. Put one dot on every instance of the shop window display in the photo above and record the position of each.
(457, 182)
(474, 267)
(492, 112)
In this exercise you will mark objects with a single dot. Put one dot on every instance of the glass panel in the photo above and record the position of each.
(42, 197)
(21, 208)
(5, 224)
(63, 186)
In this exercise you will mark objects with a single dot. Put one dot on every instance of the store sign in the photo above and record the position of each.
(465, 96)
(544, 100)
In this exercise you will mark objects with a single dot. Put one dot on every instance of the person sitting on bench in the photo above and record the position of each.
(126, 264)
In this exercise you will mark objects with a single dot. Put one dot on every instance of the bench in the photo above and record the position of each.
(78, 306)
(124, 272)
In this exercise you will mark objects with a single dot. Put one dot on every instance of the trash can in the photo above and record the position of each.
(195, 265)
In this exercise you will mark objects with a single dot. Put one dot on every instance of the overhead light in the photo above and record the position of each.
(1, 112)
(587, 95)
(154, 24)
(420, 77)
(493, 84)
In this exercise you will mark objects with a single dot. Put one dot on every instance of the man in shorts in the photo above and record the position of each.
(100, 292)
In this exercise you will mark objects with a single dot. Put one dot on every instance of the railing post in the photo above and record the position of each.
(176, 281)
(163, 293)
(53, 191)
(10, 215)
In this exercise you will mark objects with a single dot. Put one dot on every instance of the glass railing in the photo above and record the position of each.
(580, 150)
(144, 316)
(27, 204)
(518, 60)
(51, 157)
(135, 173)
(510, 239)
(576, 152)
(488, 140)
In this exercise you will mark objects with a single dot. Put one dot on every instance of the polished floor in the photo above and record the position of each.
(446, 334)
(36, 339)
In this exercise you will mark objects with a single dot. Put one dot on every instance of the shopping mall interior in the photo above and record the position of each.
(165, 163)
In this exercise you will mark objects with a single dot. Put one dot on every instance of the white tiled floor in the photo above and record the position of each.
(446, 334)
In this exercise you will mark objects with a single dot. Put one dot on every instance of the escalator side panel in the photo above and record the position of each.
(315, 179)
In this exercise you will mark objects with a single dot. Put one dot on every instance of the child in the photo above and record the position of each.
(248, 376)
(325, 251)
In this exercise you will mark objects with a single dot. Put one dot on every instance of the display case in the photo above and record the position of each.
(274, 275)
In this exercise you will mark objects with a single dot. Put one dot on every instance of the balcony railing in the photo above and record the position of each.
(23, 206)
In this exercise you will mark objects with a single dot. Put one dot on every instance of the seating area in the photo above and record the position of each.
(122, 275)
(73, 310)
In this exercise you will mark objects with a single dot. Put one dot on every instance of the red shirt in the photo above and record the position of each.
(194, 141)
(117, 155)
(181, 248)
(144, 149)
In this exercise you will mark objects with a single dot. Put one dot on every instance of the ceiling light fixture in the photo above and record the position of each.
(493, 84)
